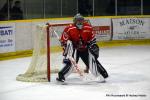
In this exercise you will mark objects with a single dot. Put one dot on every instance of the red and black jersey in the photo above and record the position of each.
(79, 37)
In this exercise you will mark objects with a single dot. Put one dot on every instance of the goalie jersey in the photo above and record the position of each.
(79, 37)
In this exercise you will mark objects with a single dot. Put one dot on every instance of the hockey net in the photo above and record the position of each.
(44, 59)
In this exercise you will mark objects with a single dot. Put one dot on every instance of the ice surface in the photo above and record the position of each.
(129, 79)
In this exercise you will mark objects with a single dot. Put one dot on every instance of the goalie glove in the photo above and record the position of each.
(66, 61)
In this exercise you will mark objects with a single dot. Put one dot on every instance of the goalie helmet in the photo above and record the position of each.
(78, 21)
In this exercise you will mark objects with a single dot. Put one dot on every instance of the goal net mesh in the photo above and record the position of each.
(37, 70)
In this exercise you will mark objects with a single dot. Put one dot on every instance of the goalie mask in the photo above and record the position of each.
(78, 21)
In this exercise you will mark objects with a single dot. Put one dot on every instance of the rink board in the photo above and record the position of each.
(110, 31)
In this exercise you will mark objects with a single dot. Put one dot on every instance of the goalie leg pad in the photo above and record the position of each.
(101, 69)
(95, 67)
(66, 70)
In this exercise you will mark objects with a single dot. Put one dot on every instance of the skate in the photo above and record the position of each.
(60, 80)
(100, 79)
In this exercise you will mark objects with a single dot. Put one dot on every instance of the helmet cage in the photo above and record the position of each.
(78, 21)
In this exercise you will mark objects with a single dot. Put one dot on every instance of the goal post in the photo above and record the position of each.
(48, 52)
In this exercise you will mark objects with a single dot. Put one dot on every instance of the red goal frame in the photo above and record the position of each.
(48, 30)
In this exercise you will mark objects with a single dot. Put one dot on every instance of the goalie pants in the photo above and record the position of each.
(84, 55)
